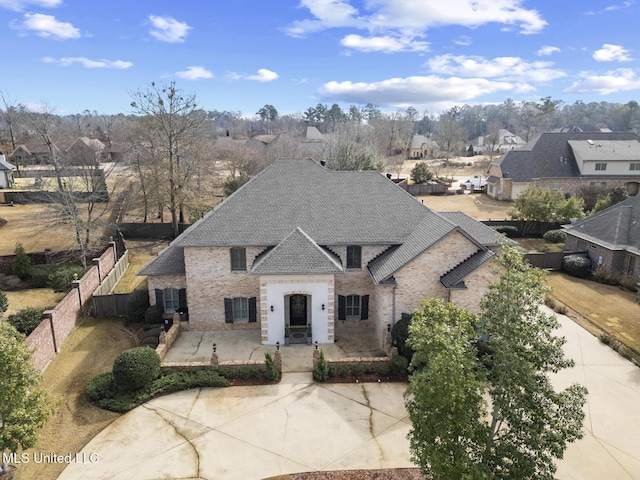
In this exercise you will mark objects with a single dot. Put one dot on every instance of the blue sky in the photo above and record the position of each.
(242, 54)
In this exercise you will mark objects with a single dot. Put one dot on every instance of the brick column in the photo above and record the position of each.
(48, 314)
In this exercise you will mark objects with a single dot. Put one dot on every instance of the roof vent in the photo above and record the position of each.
(389, 176)
(323, 163)
(590, 142)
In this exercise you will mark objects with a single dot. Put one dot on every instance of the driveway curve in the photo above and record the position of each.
(257, 432)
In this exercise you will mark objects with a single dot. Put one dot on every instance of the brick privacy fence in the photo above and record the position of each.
(48, 337)
(48, 257)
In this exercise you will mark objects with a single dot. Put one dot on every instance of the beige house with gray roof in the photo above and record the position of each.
(304, 247)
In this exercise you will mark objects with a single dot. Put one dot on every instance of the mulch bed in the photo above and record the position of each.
(385, 474)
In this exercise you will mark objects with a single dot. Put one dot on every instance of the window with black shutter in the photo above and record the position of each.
(228, 310)
(342, 307)
(253, 315)
(364, 307)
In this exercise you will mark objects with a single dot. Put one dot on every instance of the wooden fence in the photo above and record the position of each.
(105, 302)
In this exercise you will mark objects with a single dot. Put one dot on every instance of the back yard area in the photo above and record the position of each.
(477, 205)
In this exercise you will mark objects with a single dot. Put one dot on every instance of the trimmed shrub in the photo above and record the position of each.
(21, 263)
(508, 230)
(577, 265)
(60, 280)
(40, 275)
(136, 368)
(4, 303)
(555, 236)
(321, 372)
(399, 335)
(399, 366)
(137, 306)
(101, 386)
(271, 371)
(153, 314)
(150, 341)
(26, 320)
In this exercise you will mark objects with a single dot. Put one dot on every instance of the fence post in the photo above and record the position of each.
(48, 314)
(96, 262)
(76, 284)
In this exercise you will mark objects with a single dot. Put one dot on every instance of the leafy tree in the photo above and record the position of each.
(235, 182)
(4, 303)
(24, 406)
(268, 113)
(421, 173)
(615, 195)
(541, 205)
(526, 424)
(444, 398)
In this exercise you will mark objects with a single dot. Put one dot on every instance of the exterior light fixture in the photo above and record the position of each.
(272, 308)
(322, 307)
(215, 347)
(277, 346)
(316, 344)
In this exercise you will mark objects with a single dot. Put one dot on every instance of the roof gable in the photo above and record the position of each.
(297, 254)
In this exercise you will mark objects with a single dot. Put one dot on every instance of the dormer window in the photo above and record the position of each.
(354, 256)
(601, 166)
(634, 166)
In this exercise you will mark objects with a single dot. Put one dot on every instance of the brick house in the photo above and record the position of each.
(610, 237)
(303, 246)
(568, 161)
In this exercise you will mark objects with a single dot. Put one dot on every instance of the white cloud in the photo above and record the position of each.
(620, 80)
(47, 26)
(167, 29)
(612, 53)
(194, 73)
(464, 41)
(547, 50)
(19, 5)
(263, 75)
(88, 63)
(503, 68)
(409, 17)
(412, 90)
(386, 44)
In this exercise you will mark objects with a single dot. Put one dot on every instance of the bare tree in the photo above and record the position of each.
(48, 128)
(172, 117)
(12, 116)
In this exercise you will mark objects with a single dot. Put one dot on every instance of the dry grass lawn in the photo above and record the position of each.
(90, 349)
(140, 252)
(36, 298)
(609, 308)
(478, 205)
(31, 226)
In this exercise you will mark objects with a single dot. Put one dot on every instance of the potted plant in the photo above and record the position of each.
(286, 334)
(309, 334)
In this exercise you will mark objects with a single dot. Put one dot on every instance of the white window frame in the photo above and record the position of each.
(601, 167)
(634, 166)
(171, 300)
(353, 307)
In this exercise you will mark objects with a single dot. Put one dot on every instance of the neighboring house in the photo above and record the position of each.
(303, 246)
(421, 147)
(86, 151)
(31, 153)
(610, 237)
(568, 161)
(505, 142)
(6, 172)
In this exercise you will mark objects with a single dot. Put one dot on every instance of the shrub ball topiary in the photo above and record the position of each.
(137, 306)
(577, 265)
(508, 230)
(136, 368)
(555, 236)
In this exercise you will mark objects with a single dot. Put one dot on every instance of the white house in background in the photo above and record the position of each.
(307, 248)
(505, 142)
(6, 172)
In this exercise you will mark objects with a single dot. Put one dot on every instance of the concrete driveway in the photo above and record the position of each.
(256, 432)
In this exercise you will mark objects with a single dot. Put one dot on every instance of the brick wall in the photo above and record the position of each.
(45, 342)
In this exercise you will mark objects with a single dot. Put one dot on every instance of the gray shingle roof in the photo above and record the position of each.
(480, 232)
(427, 233)
(616, 227)
(169, 262)
(4, 165)
(333, 208)
(297, 254)
(455, 277)
(551, 156)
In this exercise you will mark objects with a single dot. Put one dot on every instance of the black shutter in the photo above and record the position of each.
(342, 307)
(182, 299)
(364, 307)
(252, 309)
(159, 298)
(228, 310)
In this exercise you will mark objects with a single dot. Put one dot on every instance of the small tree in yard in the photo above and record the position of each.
(527, 424)
(421, 173)
(540, 205)
(21, 262)
(24, 407)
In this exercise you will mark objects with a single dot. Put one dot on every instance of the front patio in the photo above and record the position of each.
(243, 345)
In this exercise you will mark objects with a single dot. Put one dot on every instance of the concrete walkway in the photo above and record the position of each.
(256, 432)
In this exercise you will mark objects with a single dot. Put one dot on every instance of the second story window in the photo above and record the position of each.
(601, 166)
(238, 259)
(354, 256)
(634, 166)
